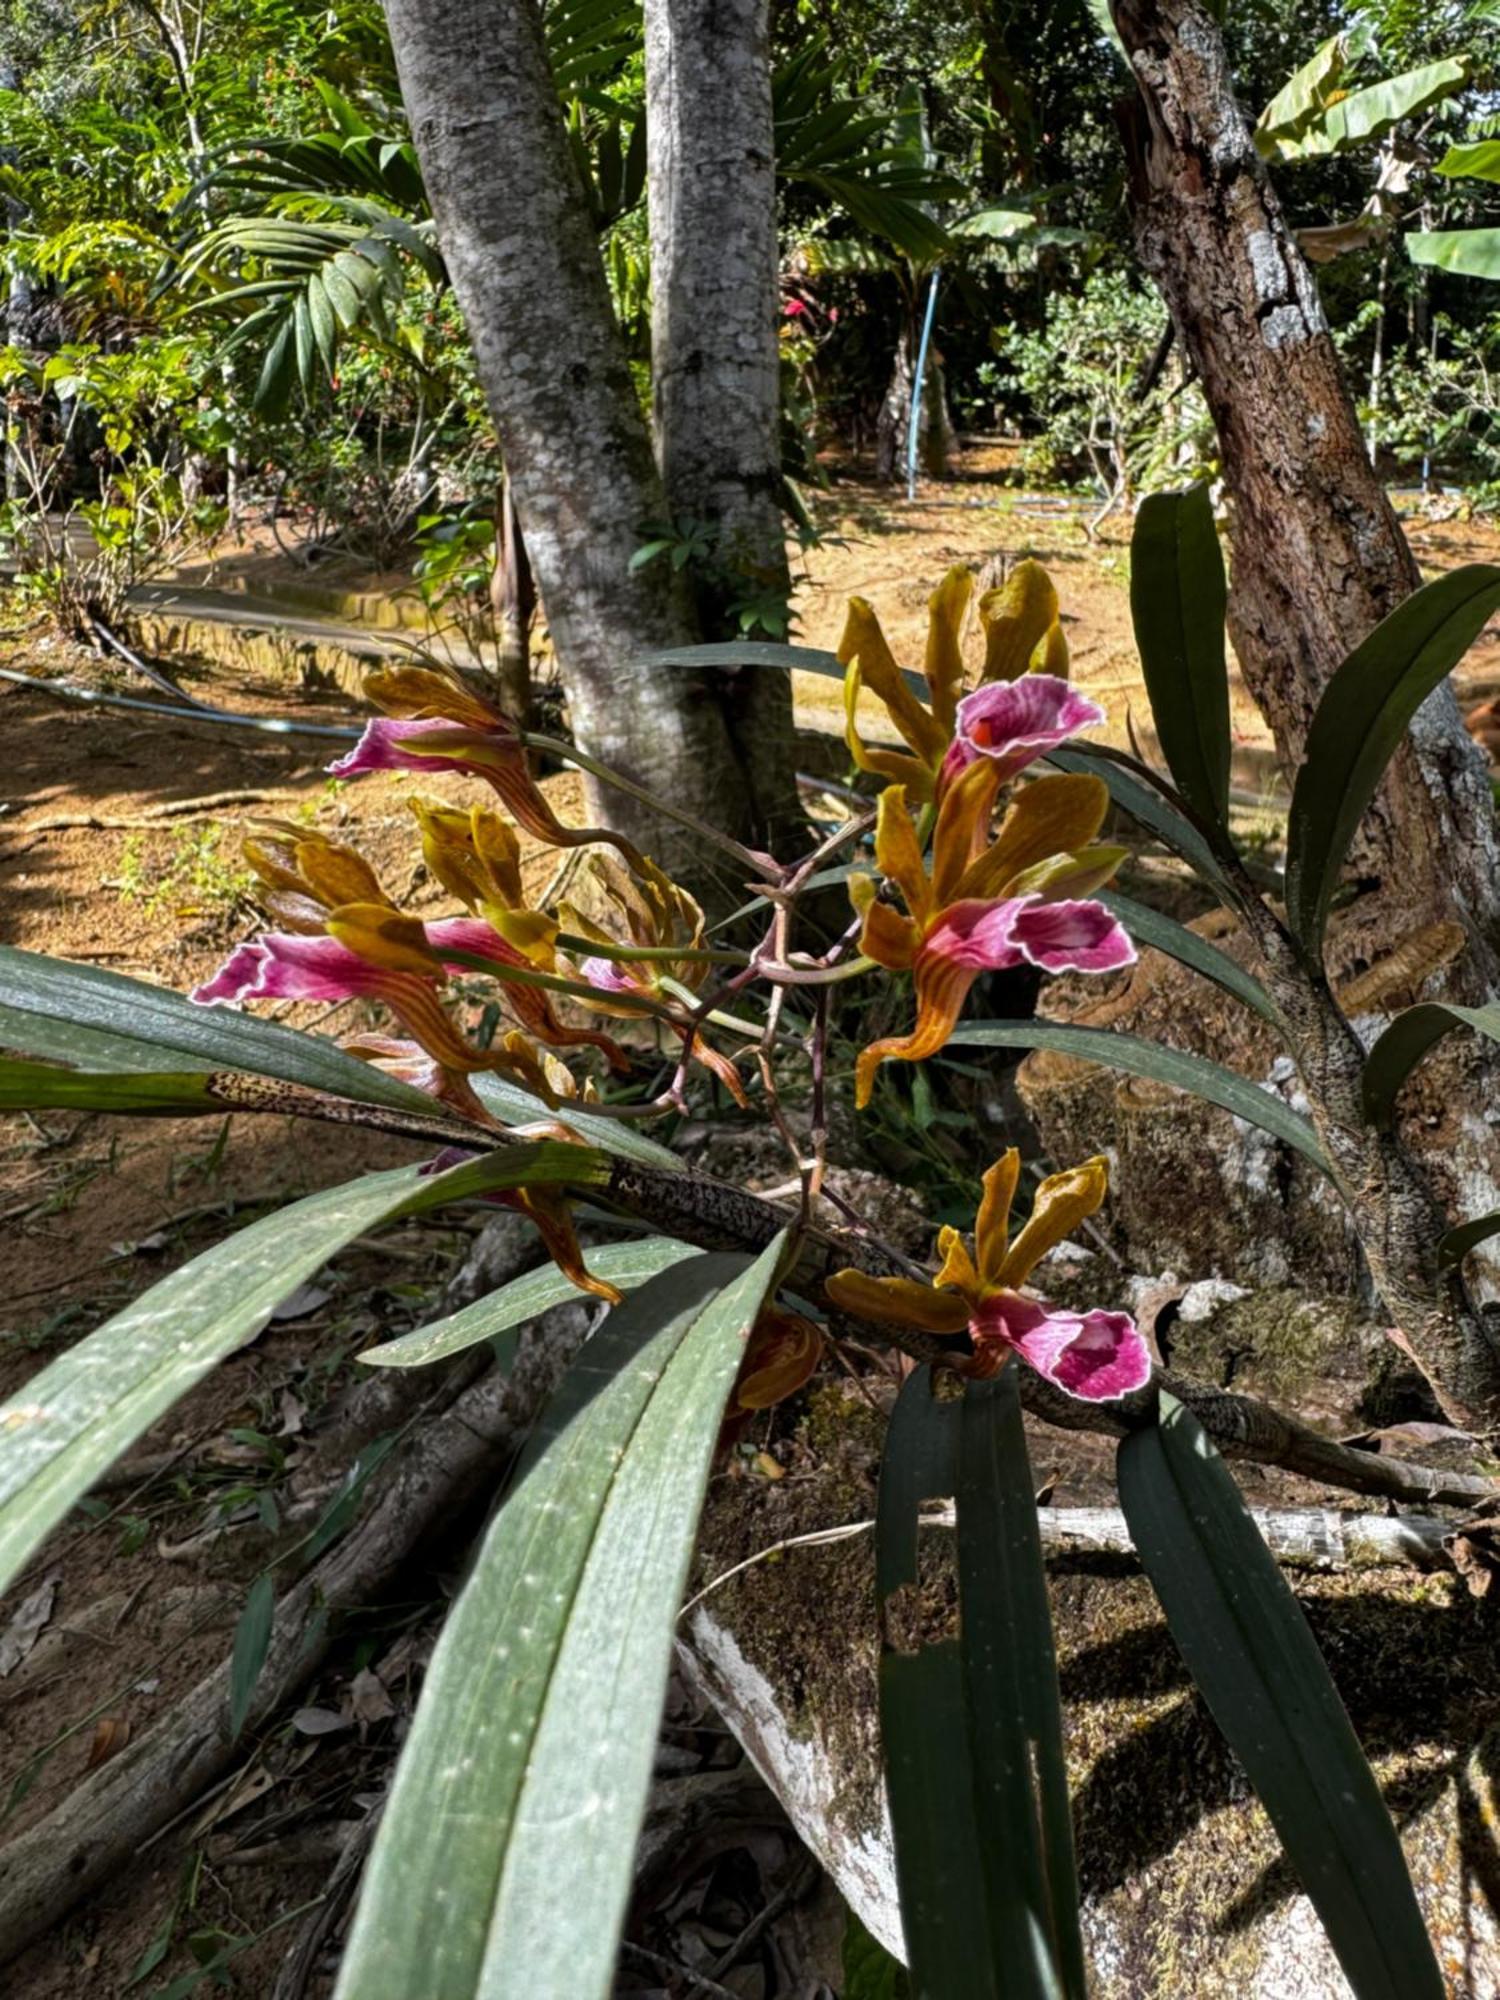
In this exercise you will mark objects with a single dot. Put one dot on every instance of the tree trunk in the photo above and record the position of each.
(714, 361)
(521, 251)
(1318, 556)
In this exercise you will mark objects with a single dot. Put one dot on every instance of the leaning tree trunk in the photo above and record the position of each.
(1318, 556)
(716, 372)
(521, 251)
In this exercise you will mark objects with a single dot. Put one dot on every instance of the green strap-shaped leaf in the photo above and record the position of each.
(1247, 1645)
(102, 1020)
(1404, 1043)
(627, 1265)
(969, 1710)
(1014, 1708)
(67, 1424)
(97, 1021)
(1360, 723)
(1177, 602)
(923, 1716)
(1456, 1244)
(1163, 933)
(503, 1862)
(514, 1106)
(29, 1086)
(1194, 1074)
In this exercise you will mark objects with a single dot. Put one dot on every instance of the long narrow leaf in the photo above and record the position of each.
(1404, 1043)
(923, 1717)
(1247, 1646)
(27, 1086)
(116, 1022)
(1177, 601)
(1014, 1709)
(627, 1265)
(1194, 1074)
(504, 1859)
(1163, 933)
(1469, 253)
(69, 1423)
(1360, 723)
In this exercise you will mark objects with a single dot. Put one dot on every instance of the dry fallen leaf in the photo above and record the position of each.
(24, 1629)
(368, 1699)
(111, 1734)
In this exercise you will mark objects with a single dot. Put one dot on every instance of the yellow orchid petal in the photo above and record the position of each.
(1062, 1202)
(1069, 874)
(1053, 657)
(963, 823)
(337, 875)
(274, 861)
(416, 1005)
(992, 1224)
(897, 855)
(944, 665)
(898, 767)
(1016, 619)
(864, 645)
(1052, 815)
(889, 938)
(447, 849)
(897, 1302)
(499, 849)
(531, 932)
(384, 937)
(427, 694)
(956, 1272)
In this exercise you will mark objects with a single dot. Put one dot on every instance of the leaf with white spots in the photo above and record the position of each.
(506, 1850)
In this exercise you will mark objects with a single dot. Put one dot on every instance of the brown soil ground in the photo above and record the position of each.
(96, 1209)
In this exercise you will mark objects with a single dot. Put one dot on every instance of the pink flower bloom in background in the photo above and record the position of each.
(1015, 722)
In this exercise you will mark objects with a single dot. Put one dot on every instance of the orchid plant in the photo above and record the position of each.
(989, 871)
(983, 847)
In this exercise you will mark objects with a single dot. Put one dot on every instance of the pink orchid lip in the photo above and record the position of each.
(1081, 936)
(279, 966)
(1095, 1356)
(383, 746)
(1015, 722)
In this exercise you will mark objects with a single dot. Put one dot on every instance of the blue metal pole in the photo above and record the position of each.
(916, 390)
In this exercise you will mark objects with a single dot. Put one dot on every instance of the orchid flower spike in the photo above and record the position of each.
(650, 911)
(1021, 899)
(434, 720)
(1022, 634)
(1095, 1356)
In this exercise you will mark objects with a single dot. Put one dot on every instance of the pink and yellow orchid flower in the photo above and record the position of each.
(435, 721)
(1095, 1355)
(1019, 900)
(1022, 635)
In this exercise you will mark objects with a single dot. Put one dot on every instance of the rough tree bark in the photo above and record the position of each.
(520, 248)
(1318, 556)
(714, 362)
